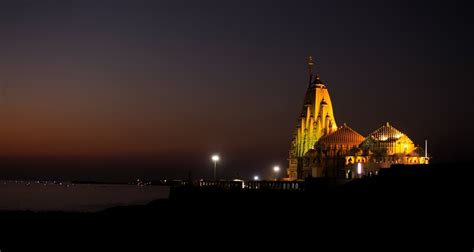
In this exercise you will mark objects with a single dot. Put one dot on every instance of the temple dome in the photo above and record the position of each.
(386, 133)
(389, 139)
(344, 135)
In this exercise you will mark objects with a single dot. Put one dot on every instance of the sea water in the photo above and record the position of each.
(65, 196)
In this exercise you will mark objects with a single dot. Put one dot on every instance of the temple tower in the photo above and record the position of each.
(315, 121)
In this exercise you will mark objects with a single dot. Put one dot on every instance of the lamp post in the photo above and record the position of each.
(276, 169)
(256, 178)
(215, 158)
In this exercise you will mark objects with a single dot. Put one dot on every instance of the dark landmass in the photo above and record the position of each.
(406, 201)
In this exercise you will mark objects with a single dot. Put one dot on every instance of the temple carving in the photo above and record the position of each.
(321, 149)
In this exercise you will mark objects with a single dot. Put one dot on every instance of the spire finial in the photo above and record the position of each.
(310, 69)
(310, 61)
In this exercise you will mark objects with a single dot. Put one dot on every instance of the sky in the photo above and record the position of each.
(151, 89)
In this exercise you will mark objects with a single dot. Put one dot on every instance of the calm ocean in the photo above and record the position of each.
(64, 196)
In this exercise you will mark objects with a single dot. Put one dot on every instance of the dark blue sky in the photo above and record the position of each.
(121, 89)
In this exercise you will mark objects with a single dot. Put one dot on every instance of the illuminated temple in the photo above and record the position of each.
(319, 148)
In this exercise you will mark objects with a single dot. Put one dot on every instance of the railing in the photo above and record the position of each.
(251, 185)
(275, 185)
(221, 184)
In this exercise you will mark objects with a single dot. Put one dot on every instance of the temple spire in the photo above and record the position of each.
(310, 69)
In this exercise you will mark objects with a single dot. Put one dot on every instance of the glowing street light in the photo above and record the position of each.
(215, 158)
(276, 169)
(256, 178)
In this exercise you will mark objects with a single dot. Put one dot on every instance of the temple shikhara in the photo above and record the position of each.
(321, 148)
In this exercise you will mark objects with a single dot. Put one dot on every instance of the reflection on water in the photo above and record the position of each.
(64, 196)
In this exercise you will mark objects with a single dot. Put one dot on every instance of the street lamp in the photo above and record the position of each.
(276, 169)
(215, 158)
(256, 178)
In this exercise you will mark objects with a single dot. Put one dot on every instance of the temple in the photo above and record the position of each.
(321, 149)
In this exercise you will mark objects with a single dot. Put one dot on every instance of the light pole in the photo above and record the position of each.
(215, 158)
(276, 169)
